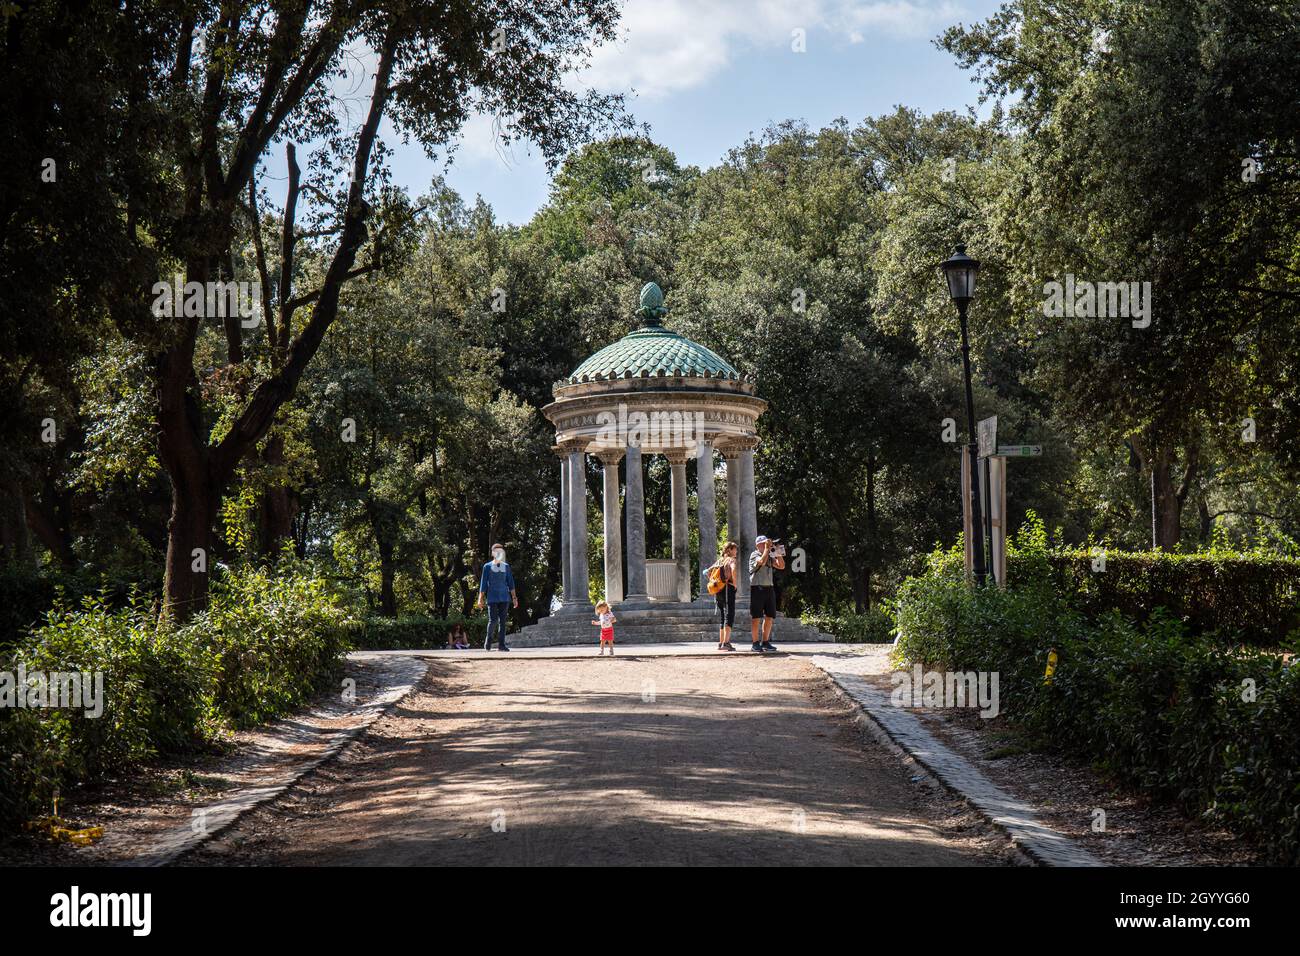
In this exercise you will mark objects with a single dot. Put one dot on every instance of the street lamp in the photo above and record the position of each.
(960, 270)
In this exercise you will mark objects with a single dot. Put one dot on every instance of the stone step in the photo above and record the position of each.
(551, 632)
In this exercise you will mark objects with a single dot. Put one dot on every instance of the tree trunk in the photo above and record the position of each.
(1165, 503)
(1167, 499)
(195, 494)
(873, 529)
(15, 542)
(199, 473)
(859, 578)
(189, 550)
(279, 504)
(441, 596)
(50, 526)
(387, 572)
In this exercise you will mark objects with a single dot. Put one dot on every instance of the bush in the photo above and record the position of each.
(414, 632)
(270, 639)
(157, 699)
(32, 761)
(279, 635)
(876, 626)
(1159, 705)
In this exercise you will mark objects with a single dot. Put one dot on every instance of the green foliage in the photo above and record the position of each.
(415, 631)
(777, 275)
(33, 764)
(26, 594)
(875, 626)
(1243, 597)
(271, 639)
(1156, 703)
(278, 635)
(157, 699)
(1221, 342)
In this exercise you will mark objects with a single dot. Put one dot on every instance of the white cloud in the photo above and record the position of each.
(479, 141)
(895, 18)
(666, 46)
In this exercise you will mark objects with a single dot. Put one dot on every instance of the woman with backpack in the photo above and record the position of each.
(722, 585)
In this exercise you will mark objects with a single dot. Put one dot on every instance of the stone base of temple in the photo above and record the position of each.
(655, 622)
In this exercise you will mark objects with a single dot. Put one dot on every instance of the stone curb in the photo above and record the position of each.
(170, 846)
(1038, 841)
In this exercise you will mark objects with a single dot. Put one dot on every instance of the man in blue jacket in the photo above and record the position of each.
(496, 588)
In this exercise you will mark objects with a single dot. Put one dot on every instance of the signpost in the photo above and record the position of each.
(987, 432)
(993, 464)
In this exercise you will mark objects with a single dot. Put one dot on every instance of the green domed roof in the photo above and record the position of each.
(650, 351)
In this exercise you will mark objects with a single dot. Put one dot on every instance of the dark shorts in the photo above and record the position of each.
(726, 600)
(762, 601)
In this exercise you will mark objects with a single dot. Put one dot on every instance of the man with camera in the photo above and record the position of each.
(768, 554)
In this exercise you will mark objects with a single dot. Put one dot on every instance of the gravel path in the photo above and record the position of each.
(631, 761)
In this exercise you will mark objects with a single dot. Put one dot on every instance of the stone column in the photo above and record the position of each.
(609, 459)
(636, 582)
(566, 593)
(736, 524)
(677, 458)
(748, 504)
(706, 515)
(578, 527)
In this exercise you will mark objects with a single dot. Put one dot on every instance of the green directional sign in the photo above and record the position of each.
(1020, 451)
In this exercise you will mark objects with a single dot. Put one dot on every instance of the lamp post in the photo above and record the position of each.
(960, 270)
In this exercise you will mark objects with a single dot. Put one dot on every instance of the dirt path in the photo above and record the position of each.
(624, 761)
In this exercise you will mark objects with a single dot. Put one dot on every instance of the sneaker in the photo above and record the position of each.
(767, 646)
(756, 648)
(503, 648)
(728, 646)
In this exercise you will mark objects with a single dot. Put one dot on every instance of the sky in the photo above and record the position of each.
(704, 74)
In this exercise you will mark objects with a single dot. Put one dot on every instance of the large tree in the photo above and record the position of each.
(1160, 145)
(220, 85)
(777, 275)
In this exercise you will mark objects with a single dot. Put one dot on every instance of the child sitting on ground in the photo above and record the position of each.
(457, 638)
(606, 619)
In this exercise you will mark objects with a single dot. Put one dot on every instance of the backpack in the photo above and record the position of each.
(716, 584)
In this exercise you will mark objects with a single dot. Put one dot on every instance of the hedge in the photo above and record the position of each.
(876, 626)
(1196, 718)
(1255, 599)
(414, 632)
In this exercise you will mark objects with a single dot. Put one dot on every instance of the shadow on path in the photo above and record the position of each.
(623, 761)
